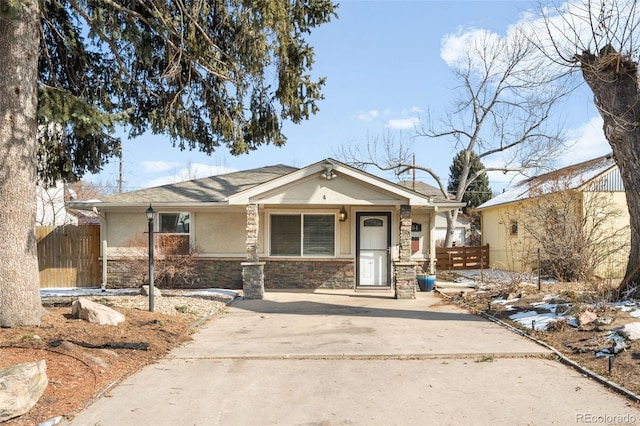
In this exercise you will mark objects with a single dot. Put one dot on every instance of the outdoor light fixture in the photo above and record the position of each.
(343, 214)
(150, 212)
(328, 173)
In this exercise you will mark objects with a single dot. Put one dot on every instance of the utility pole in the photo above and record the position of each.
(120, 169)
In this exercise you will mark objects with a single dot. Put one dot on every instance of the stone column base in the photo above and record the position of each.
(253, 280)
(405, 280)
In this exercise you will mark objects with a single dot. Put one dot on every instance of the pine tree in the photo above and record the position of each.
(209, 73)
(478, 190)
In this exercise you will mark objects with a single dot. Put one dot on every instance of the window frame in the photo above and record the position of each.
(157, 229)
(302, 215)
(513, 228)
(159, 222)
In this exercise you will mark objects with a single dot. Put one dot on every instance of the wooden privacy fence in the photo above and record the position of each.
(69, 256)
(467, 257)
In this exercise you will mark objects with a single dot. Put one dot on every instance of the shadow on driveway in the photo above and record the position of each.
(350, 304)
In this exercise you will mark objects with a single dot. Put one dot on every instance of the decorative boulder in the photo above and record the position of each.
(21, 386)
(95, 313)
(145, 291)
(587, 317)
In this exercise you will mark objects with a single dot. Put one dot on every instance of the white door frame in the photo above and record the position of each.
(387, 216)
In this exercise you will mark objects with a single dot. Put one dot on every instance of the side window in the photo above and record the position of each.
(174, 229)
(514, 227)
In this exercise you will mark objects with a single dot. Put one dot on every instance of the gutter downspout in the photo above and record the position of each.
(103, 247)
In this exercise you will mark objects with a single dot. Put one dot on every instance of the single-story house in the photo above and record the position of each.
(593, 195)
(327, 225)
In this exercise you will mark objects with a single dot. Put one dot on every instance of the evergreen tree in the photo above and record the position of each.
(478, 190)
(208, 73)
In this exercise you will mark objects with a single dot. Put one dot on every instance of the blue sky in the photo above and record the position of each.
(384, 68)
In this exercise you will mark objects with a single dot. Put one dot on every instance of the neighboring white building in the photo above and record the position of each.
(462, 226)
(51, 210)
(460, 230)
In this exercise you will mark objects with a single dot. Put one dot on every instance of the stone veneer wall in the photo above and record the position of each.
(220, 273)
(309, 274)
(405, 269)
(227, 273)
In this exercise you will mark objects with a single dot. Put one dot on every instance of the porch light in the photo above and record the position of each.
(342, 216)
(150, 212)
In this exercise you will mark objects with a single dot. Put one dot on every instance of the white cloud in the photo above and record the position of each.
(403, 123)
(586, 142)
(188, 172)
(369, 115)
(412, 110)
(158, 166)
(454, 48)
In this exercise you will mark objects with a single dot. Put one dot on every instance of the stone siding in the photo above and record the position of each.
(227, 273)
(219, 273)
(309, 274)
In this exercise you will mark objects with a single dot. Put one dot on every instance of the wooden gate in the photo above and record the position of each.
(69, 256)
(468, 257)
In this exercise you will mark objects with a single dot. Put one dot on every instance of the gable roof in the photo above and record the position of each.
(209, 189)
(425, 189)
(247, 186)
(576, 176)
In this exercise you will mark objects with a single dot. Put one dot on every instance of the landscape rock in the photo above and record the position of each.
(603, 321)
(587, 317)
(21, 386)
(95, 313)
(630, 331)
(145, 291)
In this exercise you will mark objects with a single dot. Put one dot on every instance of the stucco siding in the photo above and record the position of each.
(342, 190)
(126, 230)
(221, 233)
(508, 251)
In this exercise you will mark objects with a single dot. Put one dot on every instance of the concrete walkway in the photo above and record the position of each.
(350, 358)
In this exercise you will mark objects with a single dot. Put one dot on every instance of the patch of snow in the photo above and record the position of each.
(83, 291)
(528, 318)
(504, 301)
(631, 307)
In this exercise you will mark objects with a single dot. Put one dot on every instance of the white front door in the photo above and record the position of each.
(373, 249)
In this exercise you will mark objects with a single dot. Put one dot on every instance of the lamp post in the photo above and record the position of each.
(150, 212)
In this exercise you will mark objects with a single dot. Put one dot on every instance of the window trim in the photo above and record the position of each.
(513, 228)
(157, 223)
(301, 215)
(160, 233)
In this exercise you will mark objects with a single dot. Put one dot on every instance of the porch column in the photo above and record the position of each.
(404, 268)
(252, 269)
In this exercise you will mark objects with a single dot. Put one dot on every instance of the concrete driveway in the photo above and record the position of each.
(349, 358)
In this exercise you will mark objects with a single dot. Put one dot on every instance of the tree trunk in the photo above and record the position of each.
(20, 303)
(614, 82)
(452, 216)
